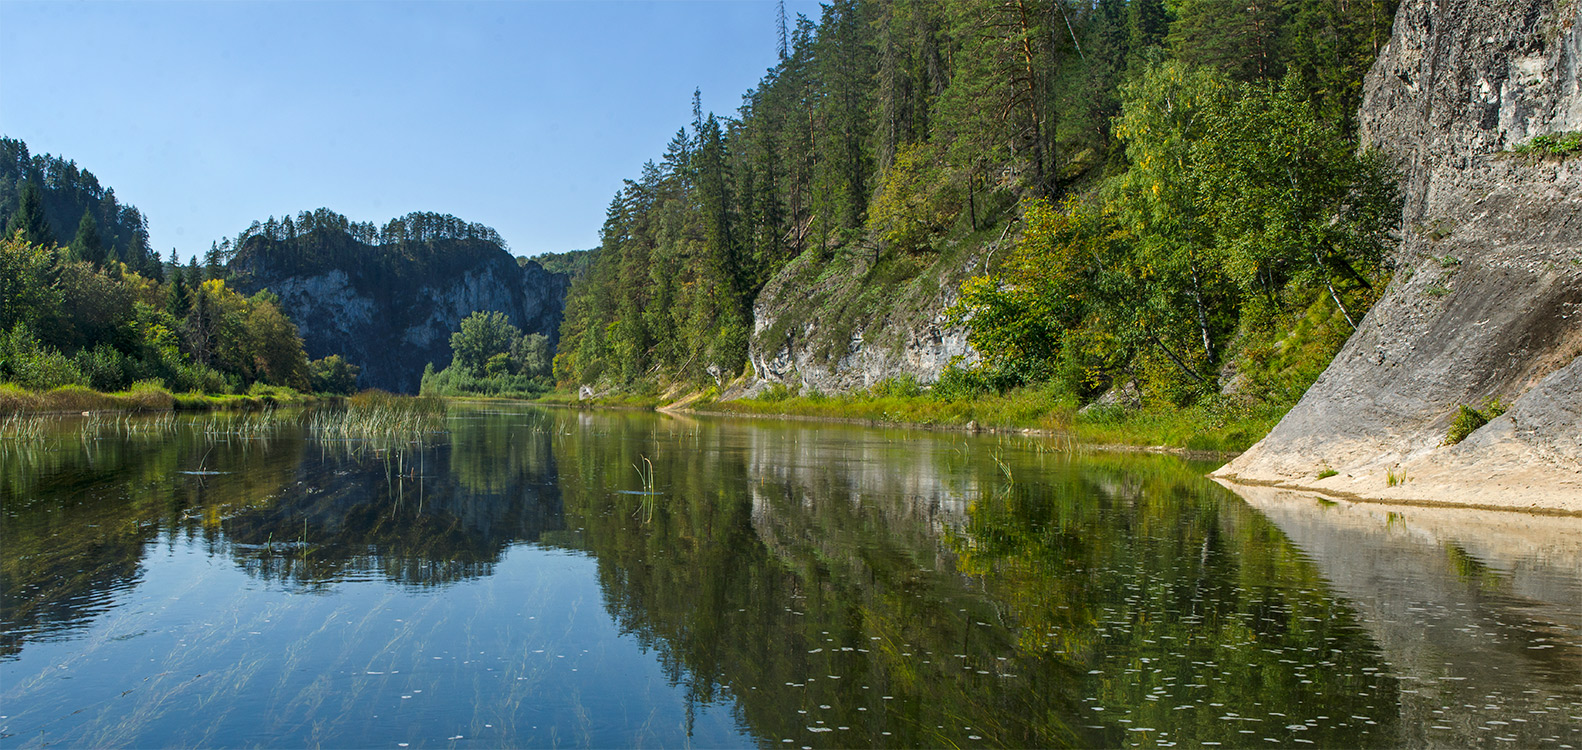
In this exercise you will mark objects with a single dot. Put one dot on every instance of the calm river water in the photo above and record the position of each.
(236, 581)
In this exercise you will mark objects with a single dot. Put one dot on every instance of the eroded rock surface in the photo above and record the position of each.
(1487, 298)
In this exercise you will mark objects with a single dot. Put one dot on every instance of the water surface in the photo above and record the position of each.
(521, 581)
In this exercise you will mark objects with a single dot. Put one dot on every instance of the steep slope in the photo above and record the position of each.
(391, 309)
(1487, 301)
(845, 323)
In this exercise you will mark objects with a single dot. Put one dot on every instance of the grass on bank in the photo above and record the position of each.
(142, 396)
(1225, 425)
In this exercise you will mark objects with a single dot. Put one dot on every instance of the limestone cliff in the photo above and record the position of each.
(846, 322)
(391, 311)
(1487, 298)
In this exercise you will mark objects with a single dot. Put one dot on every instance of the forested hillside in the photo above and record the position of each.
(78, 212)
(102, 312)
(388, 298)
(1179, 183)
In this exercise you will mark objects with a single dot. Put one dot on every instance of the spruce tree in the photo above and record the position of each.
(29, 217)
(178, 300)
(88, 245)
(1146, 24)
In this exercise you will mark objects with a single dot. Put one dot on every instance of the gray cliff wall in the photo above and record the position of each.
(828, 326)
(1487, 297)
(392, 330)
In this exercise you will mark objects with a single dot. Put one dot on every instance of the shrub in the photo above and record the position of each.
(104, 366)
(333, 374)
(1468, 420)
(1553, 144)
(775, 393)
(34, 366)
(905, 386)
(958, 384)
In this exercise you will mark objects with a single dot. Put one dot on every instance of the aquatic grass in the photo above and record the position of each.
(645, 474)
(127, 425)
(379, 421)
(24, 428)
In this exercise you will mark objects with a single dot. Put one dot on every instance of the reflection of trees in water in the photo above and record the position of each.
(792, 569)
(756, 587)
(1179, 597)
(440, 514)
(79, 514)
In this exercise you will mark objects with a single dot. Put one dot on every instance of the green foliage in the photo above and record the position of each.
(48, 196)
(28, 292)
(574, 263)
(904, 386)
(1245, 232)
(457, 382)
(1563, 145)
(1469, 419)
(27, 362)
(492, 358)
(87, 245)
(333, 375)
(28, 218)
(105, 326)
(483, 334)
(914, 204)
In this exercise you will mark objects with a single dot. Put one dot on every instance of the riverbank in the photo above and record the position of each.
(1219, 430)
(140, 398)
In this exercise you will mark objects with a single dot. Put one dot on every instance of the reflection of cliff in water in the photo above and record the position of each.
(437, 515)
(1475, 610)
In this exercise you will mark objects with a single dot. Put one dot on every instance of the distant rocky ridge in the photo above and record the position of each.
(391, 309)
(1487, 299)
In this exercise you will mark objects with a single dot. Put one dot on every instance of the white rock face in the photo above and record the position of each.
(912, 338)
(1487, 298)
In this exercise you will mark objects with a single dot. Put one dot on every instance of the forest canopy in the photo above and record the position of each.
(1163, 237)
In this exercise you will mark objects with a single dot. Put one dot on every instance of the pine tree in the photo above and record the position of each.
(1146, 24)
(88, 245)
(29, 217)
(178, 299)
(213, 262)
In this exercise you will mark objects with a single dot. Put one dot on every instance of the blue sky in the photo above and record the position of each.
(521, 115)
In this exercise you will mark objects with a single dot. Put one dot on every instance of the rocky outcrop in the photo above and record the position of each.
(392, 314)
(1486, 302)
(839, 324)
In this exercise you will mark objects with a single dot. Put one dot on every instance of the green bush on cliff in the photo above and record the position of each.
(1468, 420)
(1553, 144)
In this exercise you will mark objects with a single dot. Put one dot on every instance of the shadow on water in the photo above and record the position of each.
(823, 585)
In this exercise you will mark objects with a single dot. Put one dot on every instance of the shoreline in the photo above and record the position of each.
(1233, 481)
(1187, 453)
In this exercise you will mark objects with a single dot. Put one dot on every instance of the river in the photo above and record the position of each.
(551, 577)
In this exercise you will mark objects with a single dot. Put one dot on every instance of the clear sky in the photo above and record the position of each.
(524, 116)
